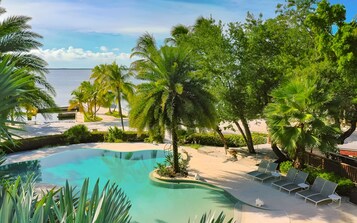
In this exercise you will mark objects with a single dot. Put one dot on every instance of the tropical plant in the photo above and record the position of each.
(20, 203)
(87, 98)
(115, 79)
(171, 95)
(77, 134)
(297, 118)
(210, 218)
(114, 135)
(17, 40)
(13, 84)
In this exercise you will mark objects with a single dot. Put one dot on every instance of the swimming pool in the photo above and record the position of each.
(130, 170)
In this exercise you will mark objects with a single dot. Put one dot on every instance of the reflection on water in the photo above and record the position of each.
(23, 169)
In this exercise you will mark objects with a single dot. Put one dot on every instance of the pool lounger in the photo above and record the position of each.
(261, 168)
(287, 180)
(264, 176)
(299, 179)
(327, 190)
(315, 188)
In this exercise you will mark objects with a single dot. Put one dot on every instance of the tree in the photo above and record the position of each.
(337, 46)
(172, 95)
(12, 85)
(17, 40)
(88, 99)
(114, 78)
(297, 119)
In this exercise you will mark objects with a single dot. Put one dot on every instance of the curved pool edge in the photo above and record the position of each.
(169, 182)
(165, 182)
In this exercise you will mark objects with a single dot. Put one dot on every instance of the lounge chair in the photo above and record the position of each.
(261, 168)
(315, 188)
(327, 190)
(290, 176)
(299, 179)
(268, 174)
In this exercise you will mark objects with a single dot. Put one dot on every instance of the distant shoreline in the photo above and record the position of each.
(69, 68)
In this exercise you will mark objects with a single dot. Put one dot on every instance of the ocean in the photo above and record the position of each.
(65, 81)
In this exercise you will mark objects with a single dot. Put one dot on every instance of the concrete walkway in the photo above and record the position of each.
(214, 168)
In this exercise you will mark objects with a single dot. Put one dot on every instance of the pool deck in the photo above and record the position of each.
(229, 175)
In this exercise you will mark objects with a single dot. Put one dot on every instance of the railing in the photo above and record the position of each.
(340, 168)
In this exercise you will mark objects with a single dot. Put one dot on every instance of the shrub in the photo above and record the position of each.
(77, 134)
(165, 169)
(114, 135)
(117, 135)
(33, 143)
(344, 184)
(285, 166)
(233, 140)
(132, 136)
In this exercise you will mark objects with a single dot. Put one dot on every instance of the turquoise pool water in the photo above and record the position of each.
(130, 170)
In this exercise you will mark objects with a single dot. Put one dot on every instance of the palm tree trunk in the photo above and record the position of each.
(174, 136)
(174, 146)
(299, 161)
(341, 139)
(219, 132)
(248, 134)
(281, 156)
(119, 108)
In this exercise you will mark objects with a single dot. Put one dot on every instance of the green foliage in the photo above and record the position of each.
(210, 218)
(171, 94)
(115, 79)
(20, 204)
(107, 205)
(34, 143)
(117, 135)
(92, 119)
(115, 114)
(344, 184)
(114, 135)
(297, 119)
(233, 140)
(285, 166)
(166, 169)
(77, 134)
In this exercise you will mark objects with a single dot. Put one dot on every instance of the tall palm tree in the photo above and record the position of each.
(114, 78)
(297, 119)
(172, 95)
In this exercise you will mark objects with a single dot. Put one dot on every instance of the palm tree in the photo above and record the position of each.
(172, 95)
(17, 40)
(87, 98)
(114, 78)
(297, 119)
(13, 84)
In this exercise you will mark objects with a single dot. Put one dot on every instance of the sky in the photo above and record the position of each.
(85, 33)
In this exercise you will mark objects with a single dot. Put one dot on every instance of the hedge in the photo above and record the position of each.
(60, 139)
(233, 140)
(34, 143)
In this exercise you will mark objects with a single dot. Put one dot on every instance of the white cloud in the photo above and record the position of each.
(103, 48)
(78, 57)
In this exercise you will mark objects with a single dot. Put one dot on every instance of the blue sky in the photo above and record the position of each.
(84, 33)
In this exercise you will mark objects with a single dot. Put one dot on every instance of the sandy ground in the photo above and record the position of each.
(216, 168)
